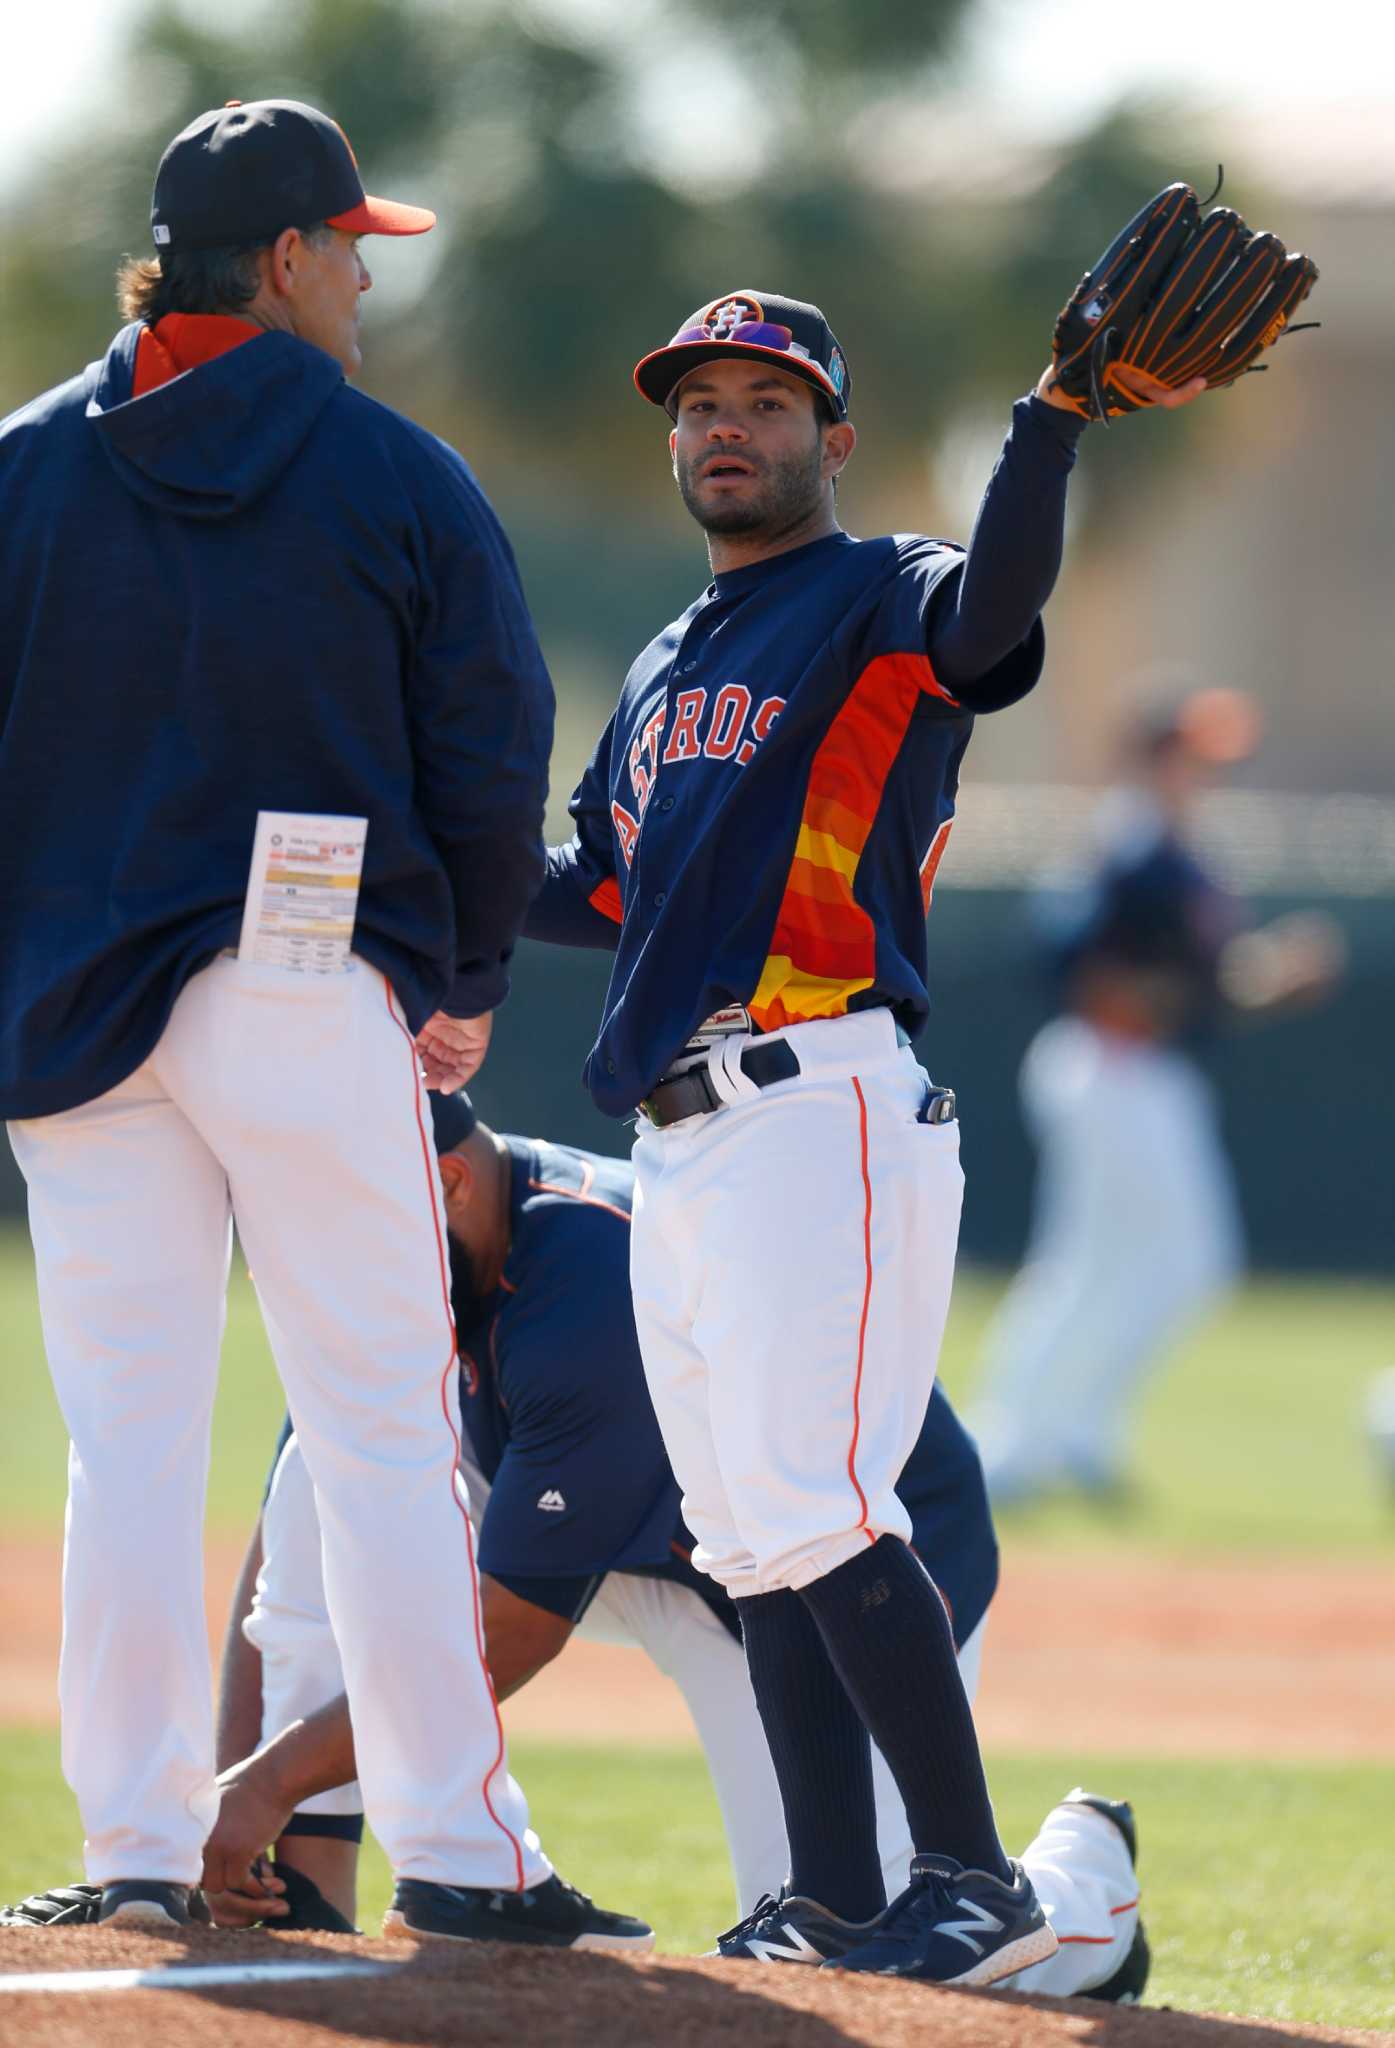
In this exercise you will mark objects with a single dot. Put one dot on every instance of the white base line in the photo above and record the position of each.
(190, 1976)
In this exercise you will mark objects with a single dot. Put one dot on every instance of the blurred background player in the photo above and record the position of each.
(1135, 1227)
(579, 1526)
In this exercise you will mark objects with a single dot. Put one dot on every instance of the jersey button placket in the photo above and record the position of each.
(658, 897)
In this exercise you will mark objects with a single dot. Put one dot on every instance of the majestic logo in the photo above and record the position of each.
(725, 314)
(793, 1949)
(551, 1502)
(983, 1922)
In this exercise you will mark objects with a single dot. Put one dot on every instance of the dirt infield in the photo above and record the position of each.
(515, 1998)
(1285, 1657)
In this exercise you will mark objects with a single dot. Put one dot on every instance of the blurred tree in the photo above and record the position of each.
(602, 167)
(598, 171)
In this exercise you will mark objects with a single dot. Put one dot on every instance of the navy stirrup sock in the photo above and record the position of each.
(822, 1757)
(889, 1639)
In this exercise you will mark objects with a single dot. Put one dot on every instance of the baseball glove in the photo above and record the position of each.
(1179, 294)
(67, 1905)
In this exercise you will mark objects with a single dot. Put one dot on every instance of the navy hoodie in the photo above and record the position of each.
(253, 588)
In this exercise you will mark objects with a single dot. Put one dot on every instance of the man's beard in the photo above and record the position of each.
(785, 497)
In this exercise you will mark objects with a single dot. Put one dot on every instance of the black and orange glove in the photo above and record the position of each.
(1178, 294)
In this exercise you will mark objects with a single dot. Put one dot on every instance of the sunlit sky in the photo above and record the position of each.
(1046, 64)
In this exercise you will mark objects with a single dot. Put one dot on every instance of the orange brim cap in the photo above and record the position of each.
(384, 217)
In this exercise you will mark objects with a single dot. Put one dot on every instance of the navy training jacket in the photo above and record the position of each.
(253, 588)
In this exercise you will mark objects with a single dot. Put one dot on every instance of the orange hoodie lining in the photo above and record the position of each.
(180, 342)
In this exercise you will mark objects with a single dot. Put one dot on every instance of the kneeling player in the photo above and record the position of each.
(580, 1525)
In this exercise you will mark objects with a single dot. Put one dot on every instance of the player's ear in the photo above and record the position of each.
(457, 1176)
(673, 448)
(838, 444)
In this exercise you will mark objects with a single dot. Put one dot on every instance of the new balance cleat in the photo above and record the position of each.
(792, 1929)
(149, 1902)
(955, 1926)
(547, 1915)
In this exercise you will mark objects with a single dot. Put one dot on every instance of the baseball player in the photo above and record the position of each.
(1136, 1230)
(580, 1526)
(757, 836)
(248, 617)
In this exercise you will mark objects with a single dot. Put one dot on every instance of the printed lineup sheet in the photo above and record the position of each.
(302, 893)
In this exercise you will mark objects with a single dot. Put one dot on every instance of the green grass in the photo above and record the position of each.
(1265, 1888)
(1266, 1885)
(1250, 1439)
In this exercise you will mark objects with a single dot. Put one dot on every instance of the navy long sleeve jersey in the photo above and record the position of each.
(763, 817)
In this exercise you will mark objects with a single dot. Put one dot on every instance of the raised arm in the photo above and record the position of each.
(986, 617)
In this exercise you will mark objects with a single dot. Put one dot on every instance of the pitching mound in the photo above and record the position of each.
(311, 1991)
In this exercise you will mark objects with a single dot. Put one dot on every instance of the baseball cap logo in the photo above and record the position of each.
(724, 315)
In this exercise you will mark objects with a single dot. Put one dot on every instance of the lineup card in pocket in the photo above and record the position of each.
(302, 893)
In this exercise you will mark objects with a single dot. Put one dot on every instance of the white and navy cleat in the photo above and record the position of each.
(956, 1926)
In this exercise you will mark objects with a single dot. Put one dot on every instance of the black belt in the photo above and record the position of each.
(692, 1094)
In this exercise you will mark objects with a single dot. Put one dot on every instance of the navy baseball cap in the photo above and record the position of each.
(761, 325)
(243, 173)
(453, 1119)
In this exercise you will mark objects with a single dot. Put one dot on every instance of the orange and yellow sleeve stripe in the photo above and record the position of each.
(824, 945)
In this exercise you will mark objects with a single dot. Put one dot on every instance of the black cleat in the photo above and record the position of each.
(309, 1910)
(548, 1915)
(149, 1902)
(956, 1926)
(1117, 1810)
(1127, 1985)
(792, 1929)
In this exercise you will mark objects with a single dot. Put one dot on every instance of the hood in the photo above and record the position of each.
(210, 442)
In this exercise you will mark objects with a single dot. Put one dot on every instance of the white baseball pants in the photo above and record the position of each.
(1078, 1862)
(792, 1256)
(292, 1105)
(1134, 1234)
